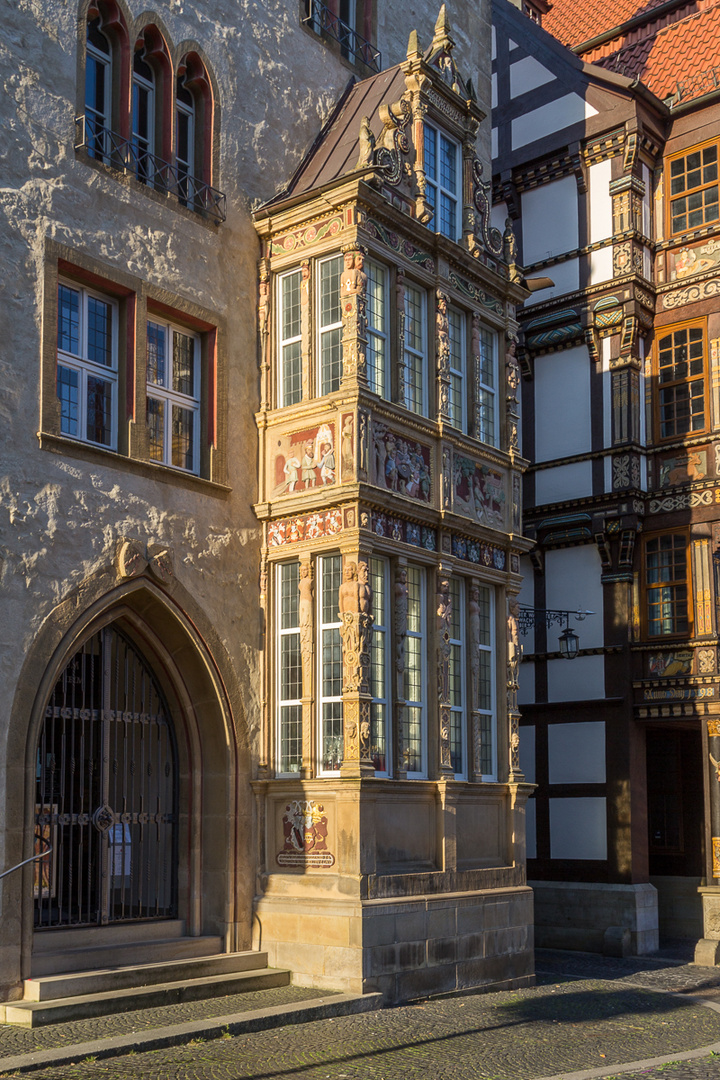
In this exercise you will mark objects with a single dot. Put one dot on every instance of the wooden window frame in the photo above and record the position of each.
(647, 588)
(669, 161)
(663, 332)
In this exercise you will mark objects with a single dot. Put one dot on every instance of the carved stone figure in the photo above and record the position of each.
(444, 619)
(512, 371)
(263, 314)
(366, 142)
(363, 443)
(348, 592)
(447, 479)
(510, 252)
(514, 654)
(347, 448)
(364, 589)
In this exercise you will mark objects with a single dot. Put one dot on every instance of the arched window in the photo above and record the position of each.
(143, 118)
(185, 125)
(98, 91)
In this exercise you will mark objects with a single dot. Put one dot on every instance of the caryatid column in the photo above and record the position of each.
(353, 304)
(514, 656)
(444, 649)
(356, 623)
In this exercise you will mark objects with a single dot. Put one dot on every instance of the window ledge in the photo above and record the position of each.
(97, 455)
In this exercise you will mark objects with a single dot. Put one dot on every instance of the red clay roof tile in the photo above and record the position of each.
(572, 22)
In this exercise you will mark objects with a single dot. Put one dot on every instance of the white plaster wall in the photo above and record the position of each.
(563, 482)
(531, 828)
(562, 404)
(578, 828)
(550, 118)
(601, 266)
(607, 392)
(572, 583)
(581, 679)
(599, 177)
(526, 598)
(527, 74)
(565, 277)
(527, 766)
(550, 219)
(498, 215)
(576, 753)
(607, 473)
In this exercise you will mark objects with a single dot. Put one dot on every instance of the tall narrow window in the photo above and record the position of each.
(458, 694)
(346, 28)
(380, 668)
(456, 323)
(330, 665)
(87, 365)
(330, 324)
(415, 351)
(173, 393)
(666, 584)
(442, 170)
(681, 381)
(289, 667)
(143, 119)
(487, 387)
(486, 688)
(415, 718)
(290, 339)
(377, 328)
(97, 92)
(185, 143)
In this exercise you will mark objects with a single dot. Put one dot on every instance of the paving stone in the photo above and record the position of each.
(561, 1027)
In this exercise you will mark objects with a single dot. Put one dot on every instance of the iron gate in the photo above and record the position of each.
(106, 799)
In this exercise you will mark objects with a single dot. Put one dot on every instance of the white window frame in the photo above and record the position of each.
(414, 356)
(281, 635)
(488, 716)
(459, 713)
(294, 339)
(484, 390)
(171, 397)
(421, 703)
(379, 338)
(321, 698)
(86, 368)
(458, 368)
(382, 643)
(436, 134)
(329, 328)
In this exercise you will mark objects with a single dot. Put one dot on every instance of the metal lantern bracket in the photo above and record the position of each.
(529, 618)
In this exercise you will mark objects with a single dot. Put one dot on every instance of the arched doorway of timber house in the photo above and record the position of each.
(106, 801)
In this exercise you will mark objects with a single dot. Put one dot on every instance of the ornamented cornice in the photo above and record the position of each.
(480, 297)
(308, 234)
(395, 242)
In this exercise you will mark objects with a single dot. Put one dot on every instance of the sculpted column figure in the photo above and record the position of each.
(400, 617)
(514, 656)
(355, 611)
(353, 303)
(444, 618)
(306, 619)
(512, 377)
(442, 348)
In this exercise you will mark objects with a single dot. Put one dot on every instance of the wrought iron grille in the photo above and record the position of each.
(106, 801)
(113, 150)
(323, 20)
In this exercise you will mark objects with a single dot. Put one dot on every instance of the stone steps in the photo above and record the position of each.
(76, 995)
(104, 957)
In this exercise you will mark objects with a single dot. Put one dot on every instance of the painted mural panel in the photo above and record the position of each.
(304, 460)
(479, 491)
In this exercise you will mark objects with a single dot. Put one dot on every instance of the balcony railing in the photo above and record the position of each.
(113, 150)
(322, 20)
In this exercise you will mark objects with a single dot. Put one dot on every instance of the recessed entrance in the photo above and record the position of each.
(106, 792)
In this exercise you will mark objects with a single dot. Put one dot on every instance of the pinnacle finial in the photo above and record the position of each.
(442, 38)
(413, 49)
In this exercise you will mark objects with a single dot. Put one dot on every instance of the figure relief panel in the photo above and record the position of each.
(478, 492)
(400, 464)
(303, 460)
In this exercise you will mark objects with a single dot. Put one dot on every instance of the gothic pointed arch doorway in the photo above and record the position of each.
(106, 775)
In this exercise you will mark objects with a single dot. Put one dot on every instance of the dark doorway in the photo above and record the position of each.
(106, 799)
(675, 802)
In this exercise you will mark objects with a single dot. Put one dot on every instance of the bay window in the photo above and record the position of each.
(415, 358)
(290, 339)
(380, 709)
(680, 377)
(486, 703)
(377, 328)
(289, 670)
(487, 381)
(456, 325)
(442, 172)
(87, 379)
(415, 713)
(329, 324)
(173, 396)
(330, 672)
(457, 680)
(694, 189)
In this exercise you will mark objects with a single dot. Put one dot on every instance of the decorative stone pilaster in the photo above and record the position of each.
(442, 349)
(264, 333)
(514, 656)
(400, 615)
(356, 619)
(444, 619)
(354, 309)
(473, 616)
(306, 620)
(512, 381)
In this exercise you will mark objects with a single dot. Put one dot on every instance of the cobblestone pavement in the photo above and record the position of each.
(558, 1028)
(656, 973)
(17, 1040)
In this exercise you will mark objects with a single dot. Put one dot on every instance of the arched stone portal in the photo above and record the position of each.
(192, 692)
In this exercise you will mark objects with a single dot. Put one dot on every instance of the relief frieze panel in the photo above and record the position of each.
(478, 491)
(400, 464)
(697, 259)
(303, 460)
(308, 234)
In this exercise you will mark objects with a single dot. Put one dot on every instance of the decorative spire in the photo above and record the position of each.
(413, 49)
(442, 38)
